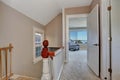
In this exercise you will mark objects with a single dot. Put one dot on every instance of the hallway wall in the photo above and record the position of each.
(53, 32)
(115, 16)
(115, 39)
(17, 29)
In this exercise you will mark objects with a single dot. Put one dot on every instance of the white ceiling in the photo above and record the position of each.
(73, 3)
(43, 11)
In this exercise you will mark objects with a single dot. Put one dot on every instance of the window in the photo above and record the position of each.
(37, 42)
(80, 35)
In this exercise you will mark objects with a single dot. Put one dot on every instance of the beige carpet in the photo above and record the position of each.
(77, 68)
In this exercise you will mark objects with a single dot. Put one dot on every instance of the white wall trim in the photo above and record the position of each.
(35, 29)
(67, 37)
(63, 32)
(63, 27)
(77, 15)
(104, 39)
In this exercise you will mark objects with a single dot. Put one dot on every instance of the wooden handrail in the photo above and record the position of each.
(6, 49)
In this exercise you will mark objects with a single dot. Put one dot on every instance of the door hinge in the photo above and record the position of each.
(110, 38)
(110, 70)
(109, 8)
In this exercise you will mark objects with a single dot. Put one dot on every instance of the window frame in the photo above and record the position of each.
(39, 31)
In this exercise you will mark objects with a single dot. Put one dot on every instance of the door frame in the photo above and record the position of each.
(104, 23)
(66, 28)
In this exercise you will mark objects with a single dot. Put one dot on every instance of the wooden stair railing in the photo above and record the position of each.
(6, 50)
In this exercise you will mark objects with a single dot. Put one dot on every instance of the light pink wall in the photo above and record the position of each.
(115, 21)
(77, 10)
(53, 31)
(17, 29)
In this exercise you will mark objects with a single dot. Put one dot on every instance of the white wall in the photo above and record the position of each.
(78, 22)
(58, 63)
(17, 29)
(115, 39)
(53, 31)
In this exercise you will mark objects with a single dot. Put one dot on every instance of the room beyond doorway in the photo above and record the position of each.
(77, 33)
(77, 66)
(75, 24)
(75, 41)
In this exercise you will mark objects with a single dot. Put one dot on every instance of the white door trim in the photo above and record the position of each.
(66, 28)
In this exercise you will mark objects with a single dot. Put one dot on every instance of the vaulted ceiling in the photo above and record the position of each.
(43, 11)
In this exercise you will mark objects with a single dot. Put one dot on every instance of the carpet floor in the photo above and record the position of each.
(77, 68)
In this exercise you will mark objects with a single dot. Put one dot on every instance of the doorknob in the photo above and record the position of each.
(96, 44)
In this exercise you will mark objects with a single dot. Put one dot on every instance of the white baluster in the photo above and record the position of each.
(46, 71)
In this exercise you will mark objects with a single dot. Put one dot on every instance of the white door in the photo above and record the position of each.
(93, 40)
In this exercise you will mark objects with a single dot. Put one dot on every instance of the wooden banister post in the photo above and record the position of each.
(6, 63)
(10, 50)
(6, 49)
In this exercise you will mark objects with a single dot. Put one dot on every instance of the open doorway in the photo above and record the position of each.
(78, 33)
(91, 59)
(76, 49)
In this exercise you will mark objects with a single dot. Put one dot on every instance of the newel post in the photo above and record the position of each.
(45, 55)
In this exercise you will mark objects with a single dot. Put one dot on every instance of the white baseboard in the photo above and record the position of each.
(15, 76)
